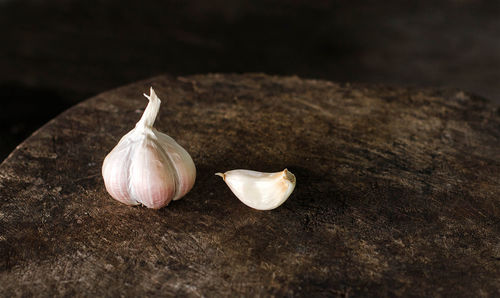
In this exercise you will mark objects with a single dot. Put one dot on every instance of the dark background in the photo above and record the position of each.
(54, 54)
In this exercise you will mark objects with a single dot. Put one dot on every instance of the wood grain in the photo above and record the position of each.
(397, 194)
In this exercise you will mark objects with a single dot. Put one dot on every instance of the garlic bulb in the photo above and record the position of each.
(262, 191)
(148, 167)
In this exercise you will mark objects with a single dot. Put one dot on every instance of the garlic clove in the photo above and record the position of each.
(115, 173)
(182, 162)
(152, 180)
(261, 191)
(146, 166)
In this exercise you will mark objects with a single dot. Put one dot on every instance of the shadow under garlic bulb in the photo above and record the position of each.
(148, 167)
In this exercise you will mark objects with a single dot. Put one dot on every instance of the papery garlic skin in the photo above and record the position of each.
(261, 191)
(146, 166)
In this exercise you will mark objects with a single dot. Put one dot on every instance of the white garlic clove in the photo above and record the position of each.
(152, 178)
(262, 191)
(148, 167)
(115, 173)
(181, 161)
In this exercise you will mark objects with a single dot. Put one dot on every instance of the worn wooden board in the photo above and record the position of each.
(397, 194)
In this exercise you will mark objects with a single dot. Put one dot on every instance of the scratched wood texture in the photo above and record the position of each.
(397, 193)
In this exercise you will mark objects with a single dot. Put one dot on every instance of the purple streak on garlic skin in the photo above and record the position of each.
(155, 187)
(148, 167)
(115, 173)
(182, 162)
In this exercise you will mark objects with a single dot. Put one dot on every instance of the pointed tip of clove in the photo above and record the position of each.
(222, 175)
(289, 176)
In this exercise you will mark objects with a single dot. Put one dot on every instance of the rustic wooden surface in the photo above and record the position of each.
(397, 193)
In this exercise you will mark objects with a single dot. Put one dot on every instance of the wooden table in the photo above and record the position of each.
(398, 193)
